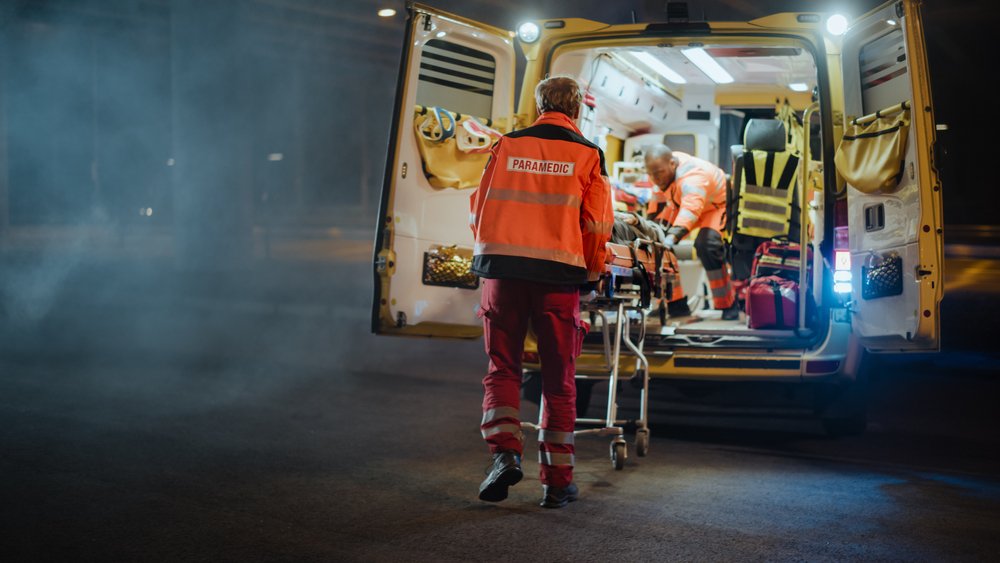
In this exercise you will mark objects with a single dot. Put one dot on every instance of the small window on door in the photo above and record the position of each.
(457, 78)
(883, 72)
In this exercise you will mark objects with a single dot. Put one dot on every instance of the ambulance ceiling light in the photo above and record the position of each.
(528, 32)
(799, 87)
(708, 65)
(658, 66)
(386, 13)
(836, 24)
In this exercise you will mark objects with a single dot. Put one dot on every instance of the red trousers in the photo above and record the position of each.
(507, 306)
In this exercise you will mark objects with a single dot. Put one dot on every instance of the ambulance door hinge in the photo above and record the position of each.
(900, 12)
(427, 22)
(381, 263)
(385, 262)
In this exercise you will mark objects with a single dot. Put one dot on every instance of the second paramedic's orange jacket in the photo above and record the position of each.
(695, 199)
(542, 211)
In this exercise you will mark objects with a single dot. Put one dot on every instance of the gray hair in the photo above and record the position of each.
(658, 151)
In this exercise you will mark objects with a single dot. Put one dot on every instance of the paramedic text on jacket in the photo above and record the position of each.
(693, 195)
(541, 218)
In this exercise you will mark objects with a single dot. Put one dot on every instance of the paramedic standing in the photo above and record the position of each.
(541, 218)
(693, 195)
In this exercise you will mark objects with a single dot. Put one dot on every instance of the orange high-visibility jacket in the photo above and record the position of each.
(696, 197)
(542, 211)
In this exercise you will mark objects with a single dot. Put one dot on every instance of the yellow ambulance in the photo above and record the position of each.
(851, 100)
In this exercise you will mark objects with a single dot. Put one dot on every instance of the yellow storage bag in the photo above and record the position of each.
(454, 148)
(870, 157)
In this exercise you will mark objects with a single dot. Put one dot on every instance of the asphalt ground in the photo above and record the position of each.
(161, 416)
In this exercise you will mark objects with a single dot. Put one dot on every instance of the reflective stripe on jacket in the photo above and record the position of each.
(696, 197)
(542, 211)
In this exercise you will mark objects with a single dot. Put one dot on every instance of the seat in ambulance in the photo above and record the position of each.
(763, 202)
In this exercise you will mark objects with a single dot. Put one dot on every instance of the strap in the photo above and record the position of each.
(441, 120)
(645, 292)
(749, 169)
(768, 169)
(788, 174)
(449, 131)
(474, 137)
(779, 310)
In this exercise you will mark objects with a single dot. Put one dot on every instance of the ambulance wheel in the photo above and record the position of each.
(618, 453)
(844, 406)
(642, 442)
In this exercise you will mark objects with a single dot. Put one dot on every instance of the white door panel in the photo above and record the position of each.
(884, 64)
(466, 68)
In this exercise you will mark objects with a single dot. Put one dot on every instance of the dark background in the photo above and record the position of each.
(170, 114)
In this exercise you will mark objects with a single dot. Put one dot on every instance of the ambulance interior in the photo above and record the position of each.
(697, 99)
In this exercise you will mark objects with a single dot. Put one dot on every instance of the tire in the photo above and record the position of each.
(844, 406)
(642, 442)
(619, 451)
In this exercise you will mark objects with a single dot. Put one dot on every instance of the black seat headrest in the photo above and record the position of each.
(765, 135)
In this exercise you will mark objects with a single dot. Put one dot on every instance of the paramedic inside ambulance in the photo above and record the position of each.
(541, 218)
(692, 195)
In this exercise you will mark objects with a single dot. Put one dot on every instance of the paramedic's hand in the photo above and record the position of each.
(588, 292)
(671, 242)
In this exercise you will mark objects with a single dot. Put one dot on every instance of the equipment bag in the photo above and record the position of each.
(870, 157)
(636, 263)
(772, 302)
(454, 148)
(779, 258)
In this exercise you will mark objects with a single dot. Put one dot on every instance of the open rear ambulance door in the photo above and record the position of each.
(895, 232)
(452, 69)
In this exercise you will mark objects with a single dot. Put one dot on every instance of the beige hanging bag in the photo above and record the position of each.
(870, 157)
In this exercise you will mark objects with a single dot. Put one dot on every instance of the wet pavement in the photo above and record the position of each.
(163, 416)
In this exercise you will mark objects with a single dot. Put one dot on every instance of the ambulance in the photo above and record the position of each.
(850, 100)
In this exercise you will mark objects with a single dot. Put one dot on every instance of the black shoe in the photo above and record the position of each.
(732, 313)
(679, 308)
(558, 497)
(505, 472)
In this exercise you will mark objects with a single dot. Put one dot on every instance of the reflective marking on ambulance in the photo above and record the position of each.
(533, 166)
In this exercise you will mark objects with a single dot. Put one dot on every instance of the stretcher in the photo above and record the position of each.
(634, 274)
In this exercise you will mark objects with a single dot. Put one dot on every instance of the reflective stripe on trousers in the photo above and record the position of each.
(502, 425)
(506, 307)
(711, 251)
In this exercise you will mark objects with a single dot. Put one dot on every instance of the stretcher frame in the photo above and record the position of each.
(621, 301)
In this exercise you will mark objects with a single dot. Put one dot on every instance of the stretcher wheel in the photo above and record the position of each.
(619, 452)
(642, 442)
